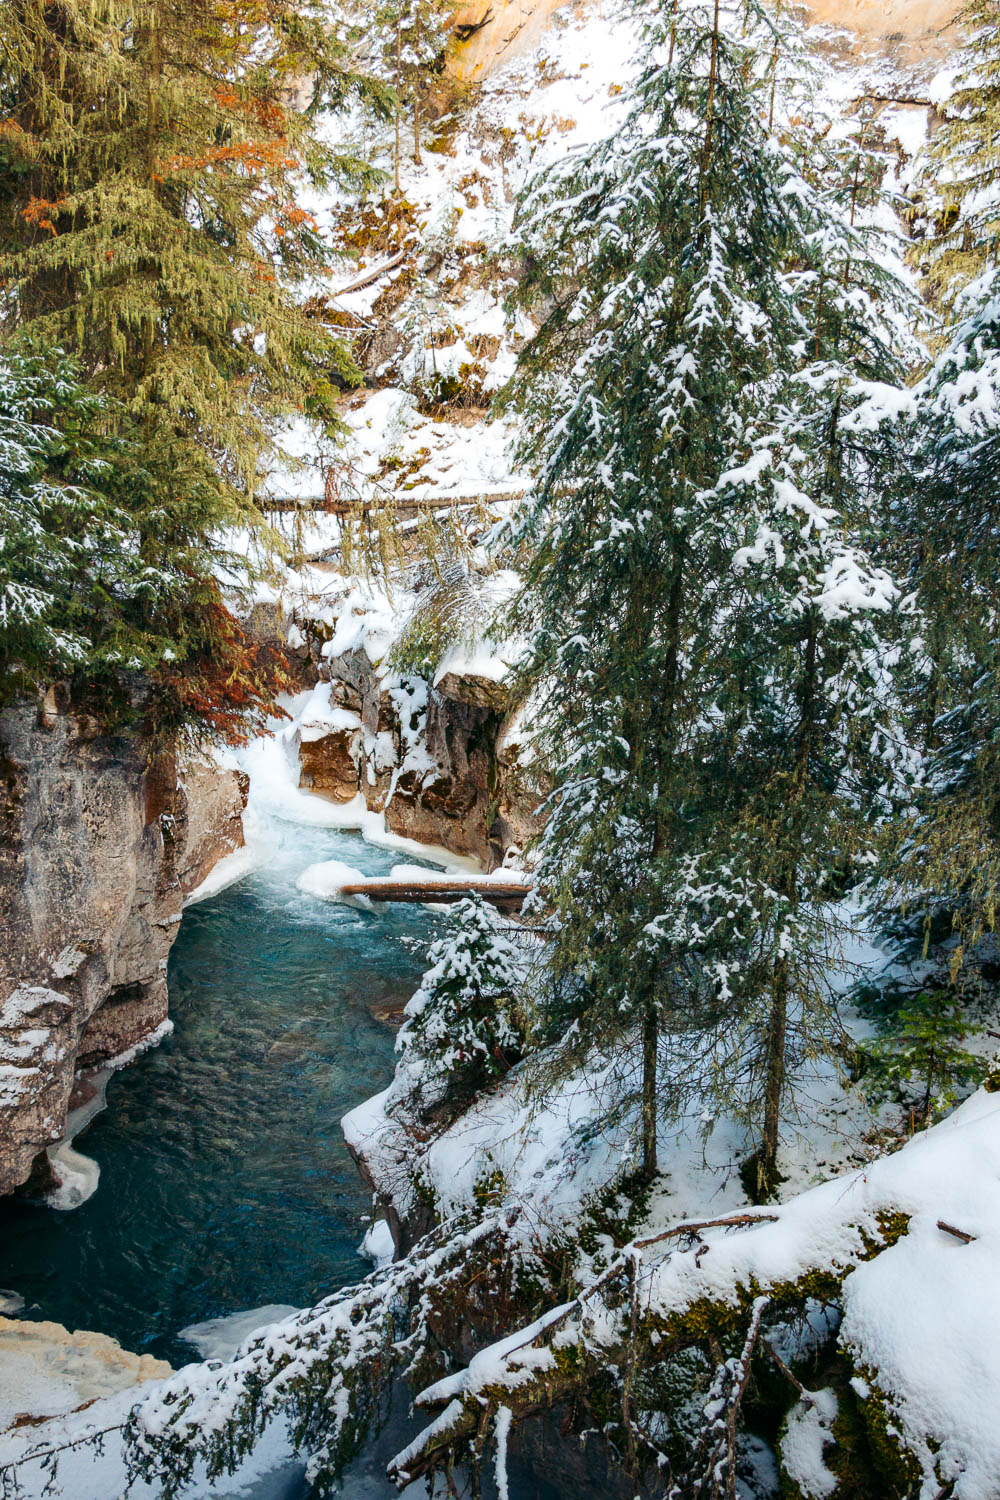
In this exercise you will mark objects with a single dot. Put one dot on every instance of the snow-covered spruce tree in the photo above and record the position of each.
(918, 1061)
(944, 886)
(801, 758)
(962, 170)
(73, 586)
(697, 594)
(466, 1023)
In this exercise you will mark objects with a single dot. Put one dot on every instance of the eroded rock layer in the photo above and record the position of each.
(98, 848)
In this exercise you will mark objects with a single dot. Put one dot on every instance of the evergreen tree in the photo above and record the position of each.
(150, 157)
(80, 597)
(409, 42)
(697, 592)
(466, 1023)
(150, 162)
(68, 557)
(944, 522)
(964, 163)
(919, 1060)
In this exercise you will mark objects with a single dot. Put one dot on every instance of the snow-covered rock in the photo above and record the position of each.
(45, 1370)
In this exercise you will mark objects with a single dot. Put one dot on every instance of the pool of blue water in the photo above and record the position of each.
(225, 1183)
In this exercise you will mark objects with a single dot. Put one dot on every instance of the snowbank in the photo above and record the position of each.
(219, 1338)
(378, 1245)
(326, 880)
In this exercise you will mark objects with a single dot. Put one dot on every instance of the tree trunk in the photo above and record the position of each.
(928, 1090)
(774, 1079)
(774, 1050)
(706, 154)
(399, 72)
(416, 126)
(650, 1036)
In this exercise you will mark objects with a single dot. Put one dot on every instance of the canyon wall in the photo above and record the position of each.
(446, 761)
(98, 849)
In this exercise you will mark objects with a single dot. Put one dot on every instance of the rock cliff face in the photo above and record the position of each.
(445, 762)
(97, 852)
(908, 31)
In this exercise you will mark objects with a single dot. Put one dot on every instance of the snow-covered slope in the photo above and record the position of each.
(432, 332)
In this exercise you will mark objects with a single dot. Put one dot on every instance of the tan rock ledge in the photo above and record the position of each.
(46, 1371)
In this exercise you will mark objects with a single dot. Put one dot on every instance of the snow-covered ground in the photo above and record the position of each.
(922, 1316)
(449, 300)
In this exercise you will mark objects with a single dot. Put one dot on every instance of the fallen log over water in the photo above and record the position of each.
(506, 895)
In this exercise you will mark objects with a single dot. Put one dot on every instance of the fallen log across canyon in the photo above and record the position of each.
(505, 895)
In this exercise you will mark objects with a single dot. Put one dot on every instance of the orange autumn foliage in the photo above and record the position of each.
(255, 156)
(39, 211)
(230, 686)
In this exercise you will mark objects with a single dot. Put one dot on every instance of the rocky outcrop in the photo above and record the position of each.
(489, 33)
(98, 848)
(445, 763)
(49, 1371)
(908, 31)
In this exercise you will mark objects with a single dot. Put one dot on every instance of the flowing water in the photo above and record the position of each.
(225, 1183)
